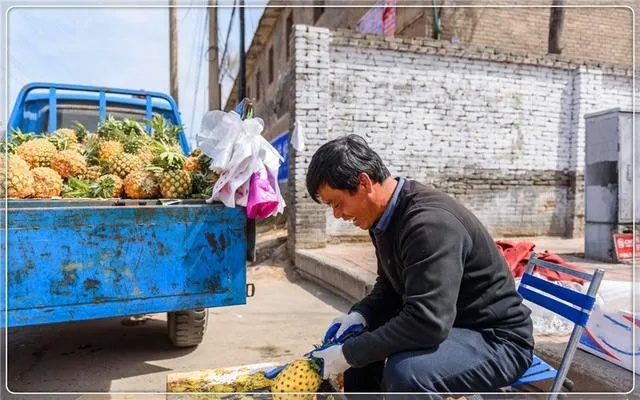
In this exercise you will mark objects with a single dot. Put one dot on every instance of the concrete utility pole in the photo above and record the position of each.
(173, 51)
(214, 69)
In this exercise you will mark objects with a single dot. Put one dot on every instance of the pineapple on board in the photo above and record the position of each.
(64, 138)
(69, 163)
(175, 182)
(69, 133)
(37, 152)
(108, 186)
(141, 184)
(19, 179)
(124, 163)
(93, 172)
(298, 376)
(47, 183)
(108, 149)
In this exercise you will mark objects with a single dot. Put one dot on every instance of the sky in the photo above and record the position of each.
(101, 43)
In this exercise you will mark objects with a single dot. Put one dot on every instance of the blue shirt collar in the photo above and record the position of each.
(383, 222)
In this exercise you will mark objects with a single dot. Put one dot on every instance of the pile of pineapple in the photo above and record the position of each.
(120, 160)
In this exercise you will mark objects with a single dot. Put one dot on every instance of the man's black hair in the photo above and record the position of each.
(338, 163)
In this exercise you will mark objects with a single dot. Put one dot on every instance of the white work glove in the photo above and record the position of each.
(344, 325)
(333, 361)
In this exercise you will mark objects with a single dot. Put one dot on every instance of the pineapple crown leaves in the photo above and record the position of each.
(81, 132)
(167, 158)
(111, 129)
(133, 143)
(131, 127)
(163, 130)
(18, 137)
(59, 140)
(76, 187)
(7, 147)
(105, 188)
(90, 150)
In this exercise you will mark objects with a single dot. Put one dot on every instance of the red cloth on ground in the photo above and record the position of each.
(517, 256)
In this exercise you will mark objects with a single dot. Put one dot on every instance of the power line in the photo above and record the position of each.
(200, 58)
(226, 42)
(194, 50)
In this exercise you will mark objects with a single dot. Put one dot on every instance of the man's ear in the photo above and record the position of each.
(365, 181)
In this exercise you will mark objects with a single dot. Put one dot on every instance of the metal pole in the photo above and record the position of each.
(251, 223)
(173, 51)
(214, 68)
(242, 72)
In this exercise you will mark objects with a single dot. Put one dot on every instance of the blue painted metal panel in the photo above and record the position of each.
(68, 262)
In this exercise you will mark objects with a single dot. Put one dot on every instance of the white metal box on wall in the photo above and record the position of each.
(608, 176)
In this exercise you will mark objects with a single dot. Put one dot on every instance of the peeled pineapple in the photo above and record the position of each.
(299, 376)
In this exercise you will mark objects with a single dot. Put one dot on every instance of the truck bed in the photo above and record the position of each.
(70, 260)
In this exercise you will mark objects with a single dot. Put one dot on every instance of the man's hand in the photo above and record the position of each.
(333, 361)
(344, 325)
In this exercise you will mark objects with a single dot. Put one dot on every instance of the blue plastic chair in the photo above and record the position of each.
(570, 304)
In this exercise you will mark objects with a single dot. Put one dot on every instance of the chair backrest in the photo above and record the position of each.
(571, 304)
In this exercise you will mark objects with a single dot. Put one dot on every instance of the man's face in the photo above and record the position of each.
(354, 207)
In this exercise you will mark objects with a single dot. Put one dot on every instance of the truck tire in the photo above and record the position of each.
(186, 328)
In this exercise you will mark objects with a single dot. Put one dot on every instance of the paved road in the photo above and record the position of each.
(285, 318)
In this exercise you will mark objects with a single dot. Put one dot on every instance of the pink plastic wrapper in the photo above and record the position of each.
(263, 199)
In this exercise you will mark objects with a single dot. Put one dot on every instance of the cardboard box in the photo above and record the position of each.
(612, 330)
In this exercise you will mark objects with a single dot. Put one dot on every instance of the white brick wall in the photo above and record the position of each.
(502, 132)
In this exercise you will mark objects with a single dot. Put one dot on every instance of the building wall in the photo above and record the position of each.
(601, 33)
(501, 131)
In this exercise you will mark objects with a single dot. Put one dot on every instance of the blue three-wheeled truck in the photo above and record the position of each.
(79, 259)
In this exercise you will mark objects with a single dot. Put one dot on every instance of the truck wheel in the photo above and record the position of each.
(186, 328)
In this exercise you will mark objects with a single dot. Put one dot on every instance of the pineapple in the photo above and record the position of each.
(124, 163)
(175, 184)
(109, 186)
(69, 136)
(146, 155)
(93, 172)
(69, 163)
(47, 183)
(191, 164)
(141, 184)
(108, 149)
(20, 178)
(202, 183)
(299, 376)
(37, 152)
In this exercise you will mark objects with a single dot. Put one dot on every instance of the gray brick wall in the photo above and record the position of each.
(502, 132)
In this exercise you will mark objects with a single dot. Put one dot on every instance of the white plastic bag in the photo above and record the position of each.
(238, 151)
